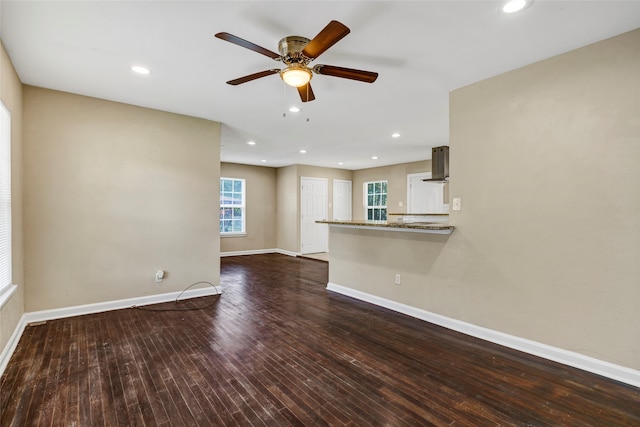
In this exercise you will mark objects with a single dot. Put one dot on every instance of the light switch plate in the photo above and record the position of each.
(457, 204)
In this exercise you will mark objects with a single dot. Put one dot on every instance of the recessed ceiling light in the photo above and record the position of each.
(263, 161)
(374, 157)
(251, 143)
(140, 69)
(340, 163)
(395, 135)
(514, 6)
(303, 151)
(294, 109)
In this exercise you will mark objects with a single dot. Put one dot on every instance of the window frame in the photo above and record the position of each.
(382, 207)
(242, 206)
(6, 243)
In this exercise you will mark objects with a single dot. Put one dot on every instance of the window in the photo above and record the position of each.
(5, 203)
(232, 206)
(376, 200)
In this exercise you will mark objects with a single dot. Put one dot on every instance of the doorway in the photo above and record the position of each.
(313, 207)
(341, 200)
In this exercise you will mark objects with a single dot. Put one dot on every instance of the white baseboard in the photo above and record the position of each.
(78, 310)
(566, 357)
(11, 345)
(289, 253)
(249, 252)
(259, 252)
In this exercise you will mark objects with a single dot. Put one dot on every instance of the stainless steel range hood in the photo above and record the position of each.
(439, 164)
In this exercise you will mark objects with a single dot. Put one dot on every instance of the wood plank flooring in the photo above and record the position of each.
(277, 349)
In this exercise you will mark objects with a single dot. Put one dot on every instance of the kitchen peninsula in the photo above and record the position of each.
(415, 227)
(435, 223)
(386, 262)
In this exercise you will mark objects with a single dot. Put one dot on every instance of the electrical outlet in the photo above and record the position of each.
(159, 276)
(398, 278)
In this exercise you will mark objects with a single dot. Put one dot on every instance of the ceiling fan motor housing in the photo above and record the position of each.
(290, 49)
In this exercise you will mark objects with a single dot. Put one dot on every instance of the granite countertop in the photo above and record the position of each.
(420, 214)
(412, 226)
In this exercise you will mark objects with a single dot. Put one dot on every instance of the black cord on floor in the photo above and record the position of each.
(177, 300)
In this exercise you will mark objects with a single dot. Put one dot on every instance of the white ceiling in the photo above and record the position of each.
(421, 49)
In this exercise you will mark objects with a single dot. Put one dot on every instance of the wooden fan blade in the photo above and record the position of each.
(346, 73)
(306, 93)
(253, 76)
(330, 35)
(248, 45)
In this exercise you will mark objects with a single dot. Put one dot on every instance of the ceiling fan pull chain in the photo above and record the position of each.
(284, 99)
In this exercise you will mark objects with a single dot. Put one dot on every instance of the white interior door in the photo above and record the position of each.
(424, 197)
(341, 200)
(313, 207)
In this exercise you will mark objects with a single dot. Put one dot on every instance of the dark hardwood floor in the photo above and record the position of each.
(277, 349)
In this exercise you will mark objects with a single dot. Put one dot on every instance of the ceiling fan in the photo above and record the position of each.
(297, 52)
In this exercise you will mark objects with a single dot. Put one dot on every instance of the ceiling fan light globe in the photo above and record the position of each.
(296, 76)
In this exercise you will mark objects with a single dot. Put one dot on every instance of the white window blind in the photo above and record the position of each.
(5, 199)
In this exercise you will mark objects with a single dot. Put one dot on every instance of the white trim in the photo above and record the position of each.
(336, 202)
(243, 232)
(289, 253)
(259, 252)
(566, 357)
(6, 251)
(11, 345)
(365, 199)
(5, 294)
(79, 310)
(60, 313)
(304, 236)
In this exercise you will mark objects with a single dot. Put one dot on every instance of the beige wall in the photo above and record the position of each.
(260, 205)
(288, 232)
(396, 177)
(546, 160)
(11, 95)
(288, 188)
(113, 193)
